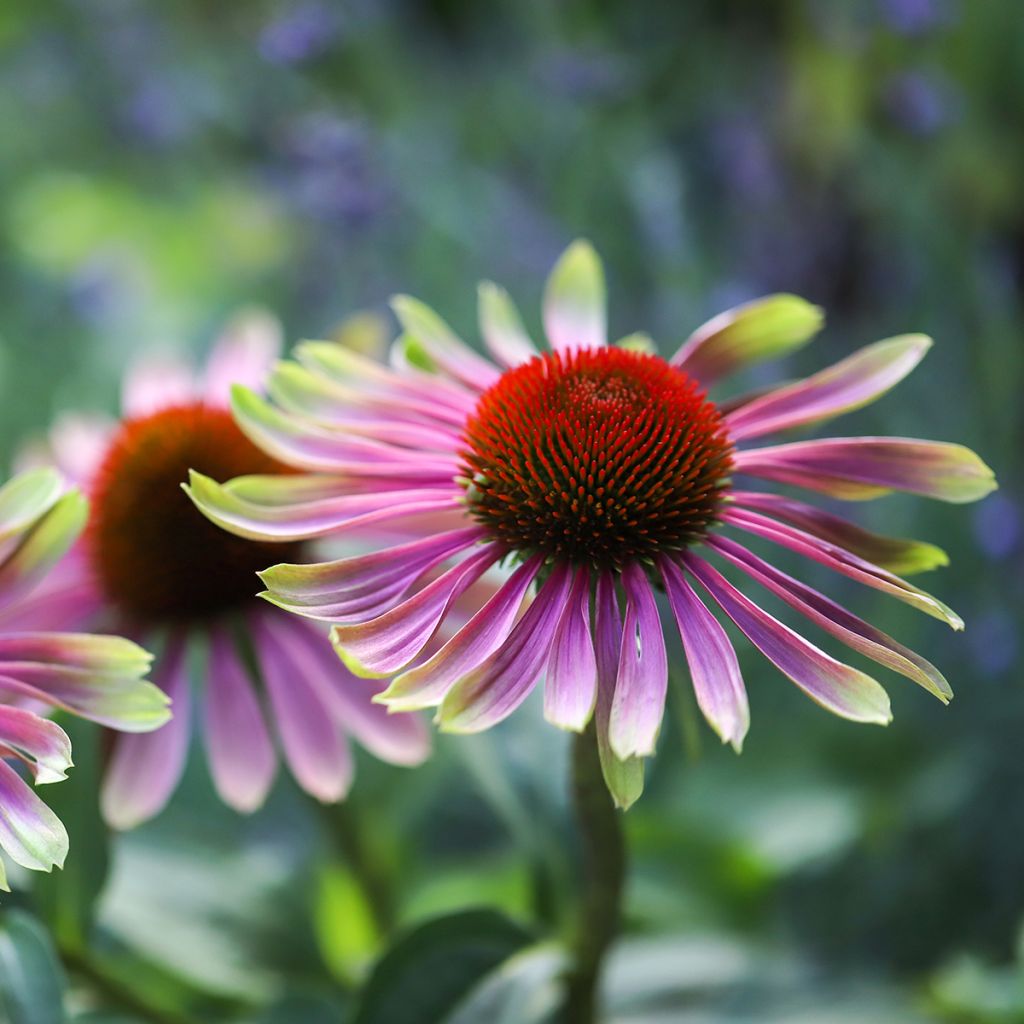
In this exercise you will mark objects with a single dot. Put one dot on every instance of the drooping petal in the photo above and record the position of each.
(642, 679)
(362, 585)
(30, 833)
(400, 738)
(570, 690)
(242, 354)
(624, 778)
(857, 468)
(897, 554)
(842, 562)
(850, 384)
(574, 301)
(42, 547)
(25, 498)
(767, 328)
(495, 688)
(442, 345)
(239, 749)
(837, 687)
(425, 685)
(155, 383)
(314, 747)
(316, 447)
(96, 677)
(834, 619)
(277, 520)
(386, 644)
(43, 744)
(144, 769)
(502, 328)
(714, 670)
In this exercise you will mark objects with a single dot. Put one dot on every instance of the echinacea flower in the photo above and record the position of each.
(153, 567)
(599, 475)
(95, 677)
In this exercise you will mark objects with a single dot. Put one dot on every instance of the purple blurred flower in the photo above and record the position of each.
(744, 159)
(300, 33)
(994, 643)
(583, 75)
(921, 103)
(914, 17)
(998, 526)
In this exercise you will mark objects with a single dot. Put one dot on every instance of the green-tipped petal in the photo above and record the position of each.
(574, 301)
(25, 498)
(502, 327)
(767, 328)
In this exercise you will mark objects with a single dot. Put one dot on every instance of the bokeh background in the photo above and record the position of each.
(163, 164)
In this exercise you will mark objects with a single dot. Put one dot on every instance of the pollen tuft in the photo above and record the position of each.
(597, 456)
(156, 559)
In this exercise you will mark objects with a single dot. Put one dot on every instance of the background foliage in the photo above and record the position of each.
(163, 164)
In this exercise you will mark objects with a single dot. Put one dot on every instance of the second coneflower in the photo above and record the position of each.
(152, 567)
(597, 475)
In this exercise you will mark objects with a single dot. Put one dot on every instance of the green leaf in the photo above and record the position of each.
(345, 930)
(66, 900)
(31, 979)
(424, 977)
(526, 989)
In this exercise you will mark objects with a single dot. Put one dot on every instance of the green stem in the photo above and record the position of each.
(602, 881)
(368, 870)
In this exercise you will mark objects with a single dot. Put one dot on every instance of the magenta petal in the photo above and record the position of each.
(144, 768)
(624, 778)
(41, 743)
(238, 746)
(496, 687)
(384, 645)
(316, 751)
(243, 354)
(842, 562)
(717, 681)
(154, 384)
(837, 687)
(849, 384)
(426, 684)
(30, 833)
(571, 687)
(834, 619)
(399, 738)
(642, 678)
(855, 468)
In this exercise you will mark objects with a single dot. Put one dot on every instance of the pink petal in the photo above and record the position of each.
(855, 468)
(426, 685)
(714, 670)
(144, 768)
(570, 691)
(243, 354)
(362, 586)
(849, 384)
(896, 554)
(42, 744)
(30, 833)
(79, 443)
(842, 562)
(642, 679)
(495, 688)
(837, 687)
(624, 778)
(238, 746)
(314, 747)
(156, 383)
(834, 619)
(502, 329)
(400, 738)
(766, 328)
(384, 645)
(574, 301)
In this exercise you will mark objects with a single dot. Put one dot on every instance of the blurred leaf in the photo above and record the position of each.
(524, 990)
(344, 923)
(66, 900)
(31, 979)
(423, 978)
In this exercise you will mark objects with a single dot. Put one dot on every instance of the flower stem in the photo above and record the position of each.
(602, 880)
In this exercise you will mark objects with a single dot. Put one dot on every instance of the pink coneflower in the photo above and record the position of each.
(95, 677)
(598, 475)
(152, 566)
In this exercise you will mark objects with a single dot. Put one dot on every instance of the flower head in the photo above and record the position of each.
(151, 565)
(598, 475)
(96, 677)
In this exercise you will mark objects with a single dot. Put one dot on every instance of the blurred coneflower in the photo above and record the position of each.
(94, 677)
(154, 568)
(598, 475)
